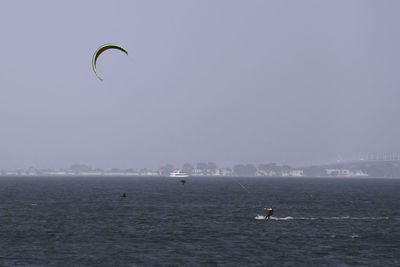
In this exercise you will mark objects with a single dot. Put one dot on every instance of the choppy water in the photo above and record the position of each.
(50, 221)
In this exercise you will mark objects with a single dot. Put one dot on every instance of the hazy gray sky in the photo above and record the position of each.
(294, 82)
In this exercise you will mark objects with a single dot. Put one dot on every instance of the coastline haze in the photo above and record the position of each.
(228, 82)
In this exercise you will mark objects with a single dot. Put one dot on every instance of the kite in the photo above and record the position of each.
(100, 50)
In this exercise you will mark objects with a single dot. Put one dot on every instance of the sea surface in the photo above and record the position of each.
(84, 221)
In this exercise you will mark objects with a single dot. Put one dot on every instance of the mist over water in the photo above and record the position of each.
(232, 82)
(84, 221)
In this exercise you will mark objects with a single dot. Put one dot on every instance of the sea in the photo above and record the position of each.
(208, 221)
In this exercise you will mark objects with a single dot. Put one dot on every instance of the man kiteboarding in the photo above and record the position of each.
(270, 212)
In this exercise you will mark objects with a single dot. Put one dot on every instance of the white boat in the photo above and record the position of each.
(178, 173)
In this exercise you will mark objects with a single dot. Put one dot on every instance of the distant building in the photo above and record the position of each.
(345, 173)
(149, 173)
(197, 172)
(288, 173)
(296, 173)
(224, 172)
(56, 173)
(90, 173)
(266, 173)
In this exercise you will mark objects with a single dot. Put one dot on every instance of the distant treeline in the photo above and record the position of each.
(388, 169)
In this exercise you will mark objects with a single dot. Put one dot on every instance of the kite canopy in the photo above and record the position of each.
(100, 50)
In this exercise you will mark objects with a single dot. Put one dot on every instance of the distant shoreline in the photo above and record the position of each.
(194, 177)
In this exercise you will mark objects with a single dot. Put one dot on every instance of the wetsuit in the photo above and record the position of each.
(270, 212)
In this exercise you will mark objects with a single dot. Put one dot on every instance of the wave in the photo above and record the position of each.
(355, 218)
(261, 217)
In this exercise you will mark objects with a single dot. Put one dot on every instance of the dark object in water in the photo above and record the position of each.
(123, 195)
(270, 212)
(183, 182)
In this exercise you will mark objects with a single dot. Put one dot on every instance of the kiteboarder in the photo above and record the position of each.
(183, 182)
(123, 195)
(270, 212)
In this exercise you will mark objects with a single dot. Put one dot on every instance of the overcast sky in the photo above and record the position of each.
(294, 82)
